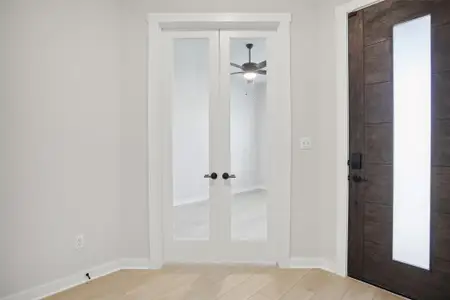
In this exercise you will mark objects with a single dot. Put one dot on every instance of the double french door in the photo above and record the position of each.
(223, 189)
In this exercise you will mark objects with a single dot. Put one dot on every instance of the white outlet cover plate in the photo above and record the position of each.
(305, 143)
(79, 241)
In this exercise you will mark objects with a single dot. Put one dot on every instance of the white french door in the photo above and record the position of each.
(223, 188)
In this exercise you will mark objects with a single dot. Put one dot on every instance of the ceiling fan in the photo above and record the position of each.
(250, 69)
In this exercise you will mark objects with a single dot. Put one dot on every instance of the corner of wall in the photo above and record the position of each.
(313, 263)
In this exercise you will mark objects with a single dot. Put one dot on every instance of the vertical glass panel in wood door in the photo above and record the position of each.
(412, 142)
(248, 134)
(190, 139)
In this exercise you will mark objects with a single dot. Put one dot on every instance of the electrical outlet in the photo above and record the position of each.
(305, 143)
(79, 241)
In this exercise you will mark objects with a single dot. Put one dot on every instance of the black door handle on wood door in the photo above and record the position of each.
(357, 178)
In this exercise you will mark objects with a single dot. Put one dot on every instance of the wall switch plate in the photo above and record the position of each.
(79, 241)
(305, 143)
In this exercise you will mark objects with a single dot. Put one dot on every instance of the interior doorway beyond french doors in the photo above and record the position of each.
(226, 188)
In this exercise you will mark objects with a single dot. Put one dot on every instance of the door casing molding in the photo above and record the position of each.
(280, 23)
(342, 128)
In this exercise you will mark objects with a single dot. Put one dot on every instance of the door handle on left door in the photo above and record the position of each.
(225, 176)
(212, 176)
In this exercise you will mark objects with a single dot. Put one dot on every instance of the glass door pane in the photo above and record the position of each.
(248, 81)
(412, 142)
(190, 139)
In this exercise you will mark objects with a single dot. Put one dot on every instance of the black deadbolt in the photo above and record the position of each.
(356, 161)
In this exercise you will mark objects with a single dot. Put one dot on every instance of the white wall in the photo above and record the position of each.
(60, 142)
(309, 171)
(326, 85)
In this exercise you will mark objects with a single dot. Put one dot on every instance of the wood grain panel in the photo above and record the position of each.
(441, 95)
(378, 62)
(377, 23)
(440, 189)
(440, 15)
(442, 236)
(378, 253)
(379, 105)
(379, 148)
(378, 223)
(377, 259)
(441, 48)
(406, 10)
(441, 265)
(378, 188)
(379, 19)
(440, 147)
(377, 213)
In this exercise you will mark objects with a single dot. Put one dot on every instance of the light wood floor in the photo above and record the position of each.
(224, 283)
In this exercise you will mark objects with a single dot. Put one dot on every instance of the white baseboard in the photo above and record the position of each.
(189, 200)
(136, 264)
(224, 262)
(65, 283)
(312, 262)
(250, 189)
(192, 200)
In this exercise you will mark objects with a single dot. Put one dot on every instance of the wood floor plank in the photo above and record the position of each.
(314, 280)
(204, 289)
(298, 292)
(359, 291)
(259, 297)
(333, 287)
(385, 295)
(248, 288)
(218, 282)
(160, 286)
(282, 282)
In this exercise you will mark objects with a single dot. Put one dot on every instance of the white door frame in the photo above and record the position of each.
(156, 87)
(342, 101)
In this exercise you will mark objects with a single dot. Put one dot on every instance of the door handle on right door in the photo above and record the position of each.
(225, 176)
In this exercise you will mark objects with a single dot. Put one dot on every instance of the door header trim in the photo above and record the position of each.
(216, 21)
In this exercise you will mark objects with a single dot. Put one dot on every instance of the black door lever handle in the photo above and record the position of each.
(225, 176)
(357, 178)
(212, 176)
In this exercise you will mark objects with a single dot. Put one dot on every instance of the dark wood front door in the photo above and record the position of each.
(371, 165)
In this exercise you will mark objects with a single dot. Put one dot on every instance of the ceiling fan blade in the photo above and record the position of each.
(236, 65)
(234, 73)
(262, 72)
(262, 64)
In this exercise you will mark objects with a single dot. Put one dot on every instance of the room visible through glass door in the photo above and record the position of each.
(248, 138)
(247, 101)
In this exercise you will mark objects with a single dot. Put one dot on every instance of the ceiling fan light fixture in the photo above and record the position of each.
(250, 75)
